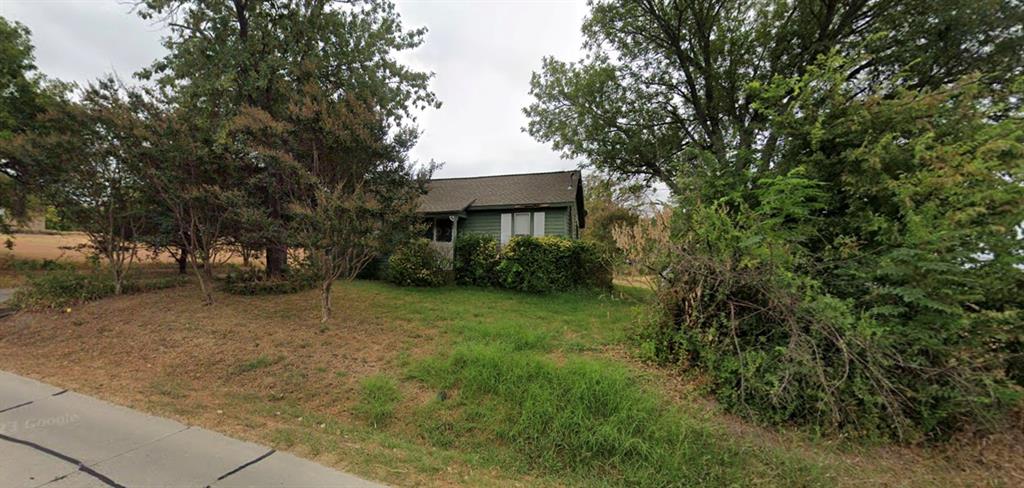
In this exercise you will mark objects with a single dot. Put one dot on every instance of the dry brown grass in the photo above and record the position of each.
(46, 246)
(165, 353)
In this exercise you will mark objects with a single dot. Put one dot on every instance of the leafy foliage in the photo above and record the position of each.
(861, 289)
(476, 259)
(547, 264)
(26, 96)
(35, 264)
(61, 287)
(254, 282)
(95, 189)
(661, 93)
(276, 83)
(416, 263)
(609, 205)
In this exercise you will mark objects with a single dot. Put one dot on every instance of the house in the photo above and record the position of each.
(534, 204)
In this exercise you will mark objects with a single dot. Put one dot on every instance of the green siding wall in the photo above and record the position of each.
(556, 222)
(484, 222)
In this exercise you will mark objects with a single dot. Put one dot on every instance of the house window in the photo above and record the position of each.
(521, 225)
(443, 230)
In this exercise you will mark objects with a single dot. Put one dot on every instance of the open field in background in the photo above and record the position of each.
(46, 246)
(32, 251)
(451, 387)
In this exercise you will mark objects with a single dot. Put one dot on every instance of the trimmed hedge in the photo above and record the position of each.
(415, 263)
(532, 264)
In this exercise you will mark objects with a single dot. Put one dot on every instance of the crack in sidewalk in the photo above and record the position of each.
(243, 466)
(63, 457)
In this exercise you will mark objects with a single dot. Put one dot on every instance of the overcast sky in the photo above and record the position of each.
(481, 51)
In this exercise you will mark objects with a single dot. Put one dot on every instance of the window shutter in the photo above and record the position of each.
(506, 227)
(538, 224)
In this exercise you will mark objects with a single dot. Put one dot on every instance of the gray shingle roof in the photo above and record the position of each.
(454, 195)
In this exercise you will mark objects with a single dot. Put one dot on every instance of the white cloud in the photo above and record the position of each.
(482, 52)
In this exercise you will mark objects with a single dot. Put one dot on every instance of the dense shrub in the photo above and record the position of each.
(546, 264)
(255, 282)
(416, 263)
(476, 260)
(63, 287)
(593, 264)
(541, 264)
(894, 343)
(867, 282)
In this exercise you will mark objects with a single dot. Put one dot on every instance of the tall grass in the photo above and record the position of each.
(589, 418)
(379, 398)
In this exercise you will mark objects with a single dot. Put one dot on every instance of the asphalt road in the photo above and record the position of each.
(61, 439)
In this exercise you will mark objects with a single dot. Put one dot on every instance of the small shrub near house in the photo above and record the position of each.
(476, 260)
(542, 264)
(416, 263)
(548, 264)
(532, 264)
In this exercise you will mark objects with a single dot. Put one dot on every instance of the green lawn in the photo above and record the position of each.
(521, 385)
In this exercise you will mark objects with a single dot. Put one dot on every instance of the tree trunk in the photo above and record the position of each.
(205, 281)
(182, 260)
(325, 301)
(277, 261)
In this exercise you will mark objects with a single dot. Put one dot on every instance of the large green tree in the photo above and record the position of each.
(668, 89)
(26, 95)
(229, 56)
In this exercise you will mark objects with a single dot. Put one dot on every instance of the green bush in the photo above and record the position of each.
(892, 343)
(592, 262)
(252, 282)
(63, 287)
(476, 260)
(416, 263)
(547, 264)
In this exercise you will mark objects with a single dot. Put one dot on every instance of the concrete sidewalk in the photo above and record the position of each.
(61, 439)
